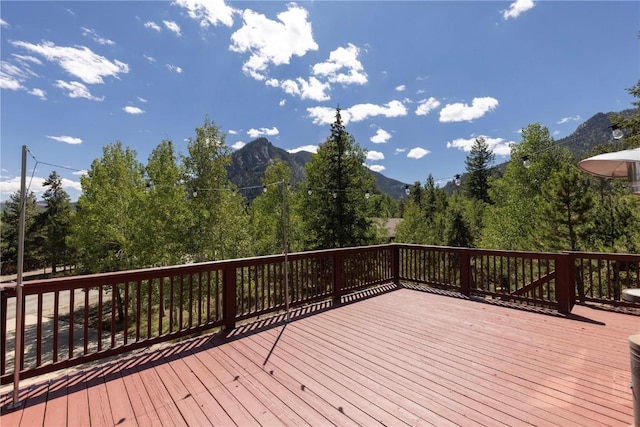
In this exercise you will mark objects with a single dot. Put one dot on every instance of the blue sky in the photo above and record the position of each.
(417, 81)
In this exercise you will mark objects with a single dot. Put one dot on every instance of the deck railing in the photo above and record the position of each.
(73, 320)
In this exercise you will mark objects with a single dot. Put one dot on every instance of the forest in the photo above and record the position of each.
(181, 208)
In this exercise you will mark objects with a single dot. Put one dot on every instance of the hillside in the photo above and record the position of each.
(249, 163)
(594, 131)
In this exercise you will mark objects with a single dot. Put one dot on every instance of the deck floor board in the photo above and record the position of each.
(404, 357)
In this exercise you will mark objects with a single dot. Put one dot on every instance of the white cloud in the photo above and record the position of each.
(272, 42)
(308, 148)
(238, 145)
(567, 119)
(77, 90)
(149, 58)
(11, 186)
(339, 59)
(380, 137)
(460, 112)
(174, 69)
(517, 8)
(375, 156)
(142, 99)
(232, 132)
(360, 112)
(425, 106)
(172, 26)
(376, 168)
(39, 93)
(400, 150)
(357, 113)
(313, 89)
(208, 12)
(255, 133)
(401, 88)
(66, 139)
(79, 61)
(11, 77)
(27, 59)
(3, 23)
(282, 102)
(132, 110)
(499, 146)
(417, 153)
(80, 172)
(153, 26)
(96, 37)
(272, 82)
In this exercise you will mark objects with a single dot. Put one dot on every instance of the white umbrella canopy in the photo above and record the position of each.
(611, 165)
(619, 164)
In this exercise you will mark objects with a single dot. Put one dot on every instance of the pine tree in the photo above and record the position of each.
(56, 222)
(10, 232)
(566, 207)
(478, 172)
(335, 210)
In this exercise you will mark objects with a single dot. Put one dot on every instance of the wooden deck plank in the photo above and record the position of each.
(182, 397)
(293, 387)
(284, 409)
(264, 412)
(434, 411)
(475, 370)
(194, 378)
(121, 408)
(401, 358)
(143, 409)
(56, 411)
(493, 400)
(167, 411)
(77, 401)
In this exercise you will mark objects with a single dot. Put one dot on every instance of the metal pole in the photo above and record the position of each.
(285, 247)
(19, 298)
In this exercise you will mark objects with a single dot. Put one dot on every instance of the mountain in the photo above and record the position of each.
(249, 163)
(594, 131)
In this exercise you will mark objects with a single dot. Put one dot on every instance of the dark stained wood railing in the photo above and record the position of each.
(73, 320)
(601, 278)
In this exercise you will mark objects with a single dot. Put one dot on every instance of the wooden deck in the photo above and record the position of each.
(403, 357)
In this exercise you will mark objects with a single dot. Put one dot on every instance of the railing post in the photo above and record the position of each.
(395, 264)
(465, 272)
(337, 277)
(564, 282)
(229, 297)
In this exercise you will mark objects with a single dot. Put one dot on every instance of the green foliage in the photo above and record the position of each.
(219, 226)
(160, 233)
(334, 213)
(630, 125)
(10, 232)
(267, 223)
(566, 206)
(511, 222)
(109, 212)
(55, 221)
(478, 171)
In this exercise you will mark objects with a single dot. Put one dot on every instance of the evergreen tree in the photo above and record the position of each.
(478, 172)
(567, 204)
(56, 223)
(335, 211)
(10, 232)
(630, 125)
(511, 222)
